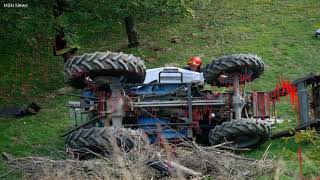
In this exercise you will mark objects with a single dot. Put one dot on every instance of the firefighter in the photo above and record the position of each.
(194, 64)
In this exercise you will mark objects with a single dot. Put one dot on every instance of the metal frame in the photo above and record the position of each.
(178, 103)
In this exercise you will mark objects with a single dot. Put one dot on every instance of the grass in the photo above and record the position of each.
(281, 32)
(285, 153)
(36, 135)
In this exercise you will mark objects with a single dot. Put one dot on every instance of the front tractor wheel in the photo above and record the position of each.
(242, 134)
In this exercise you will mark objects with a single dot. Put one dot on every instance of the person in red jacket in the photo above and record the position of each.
(194, 64)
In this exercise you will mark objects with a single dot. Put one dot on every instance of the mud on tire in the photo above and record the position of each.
(104, 64)
(245, 64)
(102, 140)
(244, 134)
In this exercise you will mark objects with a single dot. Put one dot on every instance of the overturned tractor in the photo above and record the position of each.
(124, 102)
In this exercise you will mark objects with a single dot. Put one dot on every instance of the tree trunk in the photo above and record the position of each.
(60, 43)
(131, 32)
(58, 8)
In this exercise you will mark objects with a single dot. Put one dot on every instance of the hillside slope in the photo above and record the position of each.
(281, 32)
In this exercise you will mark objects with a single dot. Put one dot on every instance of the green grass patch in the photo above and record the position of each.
(284, 151)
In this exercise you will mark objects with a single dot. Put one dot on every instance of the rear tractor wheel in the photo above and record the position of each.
(248, 66)
(131, 68)
(104, 141)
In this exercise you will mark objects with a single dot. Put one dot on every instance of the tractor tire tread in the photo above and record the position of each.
(104, 64)
(230, 64)
(234, 129)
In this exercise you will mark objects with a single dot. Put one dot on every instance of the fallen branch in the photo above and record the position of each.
(6, 174)
(178, 167)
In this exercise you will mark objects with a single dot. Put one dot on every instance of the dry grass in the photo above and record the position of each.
(140, 162)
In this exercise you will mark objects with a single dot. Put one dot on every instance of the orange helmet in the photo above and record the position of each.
(195, 61)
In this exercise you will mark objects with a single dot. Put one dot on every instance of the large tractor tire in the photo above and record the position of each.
(104, 64)
(247, 65)
(104, 140)
(243, 134)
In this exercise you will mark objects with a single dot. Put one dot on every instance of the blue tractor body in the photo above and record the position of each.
(165, 110)
(157, 128)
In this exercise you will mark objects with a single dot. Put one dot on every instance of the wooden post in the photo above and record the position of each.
(131, 32)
